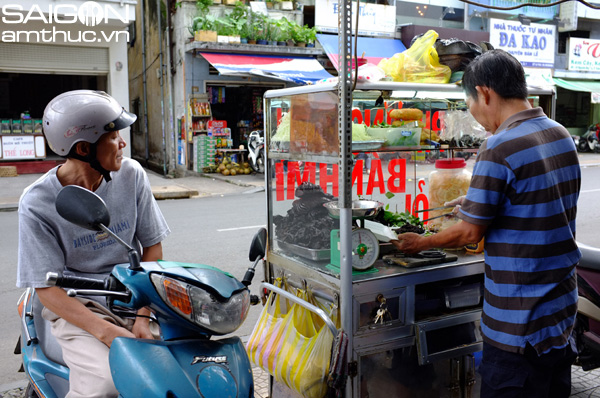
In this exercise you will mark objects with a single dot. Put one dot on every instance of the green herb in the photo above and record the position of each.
(392, 219)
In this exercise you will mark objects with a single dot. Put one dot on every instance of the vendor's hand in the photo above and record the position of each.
(409, 243)
(457, 203)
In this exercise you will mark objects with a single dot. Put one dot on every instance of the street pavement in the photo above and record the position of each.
(195, 185)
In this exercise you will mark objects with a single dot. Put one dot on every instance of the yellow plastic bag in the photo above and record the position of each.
(419, 64)
(293, 346)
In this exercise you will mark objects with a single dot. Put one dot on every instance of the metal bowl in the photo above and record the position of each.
(360, 208)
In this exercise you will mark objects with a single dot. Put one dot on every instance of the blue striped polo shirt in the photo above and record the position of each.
(525, 188)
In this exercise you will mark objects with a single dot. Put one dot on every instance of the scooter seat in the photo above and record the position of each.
(590, 257)
(47, 341)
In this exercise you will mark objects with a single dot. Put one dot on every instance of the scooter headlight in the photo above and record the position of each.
(220, 316)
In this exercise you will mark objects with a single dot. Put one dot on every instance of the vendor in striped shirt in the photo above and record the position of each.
(523, 200)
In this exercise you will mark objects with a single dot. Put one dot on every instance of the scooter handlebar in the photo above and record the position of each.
(74, 282)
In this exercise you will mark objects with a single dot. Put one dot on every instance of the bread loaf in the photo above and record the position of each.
(406, 114)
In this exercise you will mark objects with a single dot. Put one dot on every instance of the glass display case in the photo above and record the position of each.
(399, 130)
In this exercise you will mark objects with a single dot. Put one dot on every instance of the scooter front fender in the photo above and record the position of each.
(186, 368)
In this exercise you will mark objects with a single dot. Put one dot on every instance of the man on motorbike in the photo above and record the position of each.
(83, 126)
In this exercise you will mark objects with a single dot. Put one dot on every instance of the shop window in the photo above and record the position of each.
(563, 39)
(573, 108)
(212, 70)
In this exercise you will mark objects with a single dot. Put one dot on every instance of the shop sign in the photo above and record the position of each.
(393, 181)
(533, 45)
(217, 124)
(568, 16)
(584, 55)
(19, 147)
(374, 19)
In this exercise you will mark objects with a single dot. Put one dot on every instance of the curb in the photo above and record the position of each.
(173, 192)
(221, 177)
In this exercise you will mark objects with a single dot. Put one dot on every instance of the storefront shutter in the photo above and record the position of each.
(51, 58)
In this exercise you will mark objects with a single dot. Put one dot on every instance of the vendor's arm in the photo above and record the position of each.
(458, 235)
(74, 312)
(141, 327)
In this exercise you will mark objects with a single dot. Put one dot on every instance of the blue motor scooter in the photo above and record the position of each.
(190, 303)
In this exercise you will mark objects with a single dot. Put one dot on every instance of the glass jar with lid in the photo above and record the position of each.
(448, 181)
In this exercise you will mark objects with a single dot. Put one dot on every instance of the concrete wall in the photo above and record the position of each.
(149, 139)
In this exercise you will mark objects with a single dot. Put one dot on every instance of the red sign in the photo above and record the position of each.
(217, 124)
(286, 182)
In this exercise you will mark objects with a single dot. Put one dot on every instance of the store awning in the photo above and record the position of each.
(374, 49)
(589, 86)
(292, 69)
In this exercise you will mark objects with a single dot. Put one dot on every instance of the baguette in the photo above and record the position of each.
(406, 114)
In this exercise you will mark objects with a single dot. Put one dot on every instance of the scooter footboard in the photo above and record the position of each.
(186, 368)
(590, 257)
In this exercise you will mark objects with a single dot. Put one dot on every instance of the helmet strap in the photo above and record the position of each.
(93, 161)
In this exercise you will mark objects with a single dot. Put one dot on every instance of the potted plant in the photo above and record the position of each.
(298, 35)
(310, 35)
(202, 6)
(261, 37)
(204, 28)
(244, 33)
(283, 31)
(277, 4)
(224, 30)
(256, 27)
(271, 32)
(237, 20)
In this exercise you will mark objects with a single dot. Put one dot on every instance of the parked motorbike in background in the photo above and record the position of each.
(190, 303)
(256, 151)
(588, 142)
(587, 323)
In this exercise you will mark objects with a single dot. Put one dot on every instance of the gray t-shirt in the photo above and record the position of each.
(49, 243)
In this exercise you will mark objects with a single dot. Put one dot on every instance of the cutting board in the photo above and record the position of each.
(411, 262)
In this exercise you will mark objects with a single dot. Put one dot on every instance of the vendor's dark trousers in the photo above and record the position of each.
(509, 375)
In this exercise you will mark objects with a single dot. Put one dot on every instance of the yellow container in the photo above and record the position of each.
(475, 247)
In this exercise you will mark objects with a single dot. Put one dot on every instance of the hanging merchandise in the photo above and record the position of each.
(419, 64)
(292, 344)
(461, 129)
(257, 110)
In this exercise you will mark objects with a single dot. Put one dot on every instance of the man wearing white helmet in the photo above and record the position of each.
(83, 126)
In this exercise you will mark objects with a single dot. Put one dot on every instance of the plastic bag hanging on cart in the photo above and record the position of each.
(294, 346)
(419, 64)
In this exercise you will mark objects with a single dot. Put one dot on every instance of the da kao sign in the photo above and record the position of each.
(532, 45)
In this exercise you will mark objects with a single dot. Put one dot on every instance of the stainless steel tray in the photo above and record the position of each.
(305, 252)
(367, 145)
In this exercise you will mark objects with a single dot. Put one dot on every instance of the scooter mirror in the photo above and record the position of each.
(258, 247)
(82, 207)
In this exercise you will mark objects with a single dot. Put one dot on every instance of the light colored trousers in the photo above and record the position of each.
(85, 355)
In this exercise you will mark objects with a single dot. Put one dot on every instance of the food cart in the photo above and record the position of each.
(412, 321)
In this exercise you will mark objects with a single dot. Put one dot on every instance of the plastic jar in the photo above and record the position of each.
(448, 181)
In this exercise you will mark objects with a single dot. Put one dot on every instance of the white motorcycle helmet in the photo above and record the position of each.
(83, 115)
